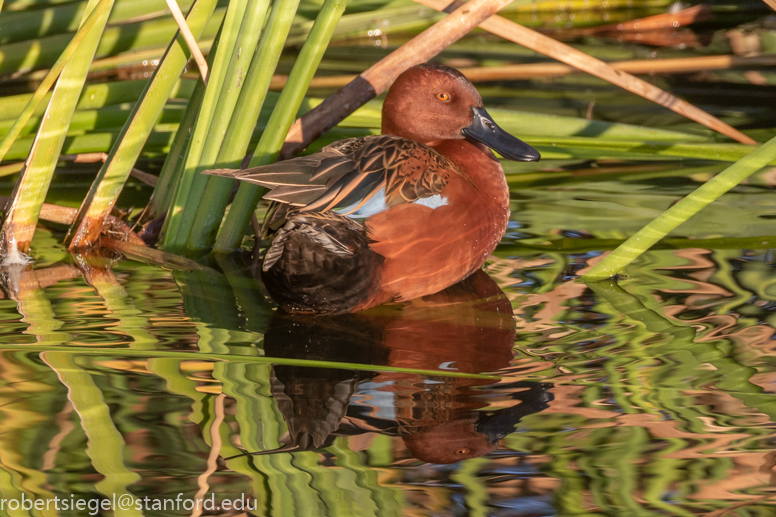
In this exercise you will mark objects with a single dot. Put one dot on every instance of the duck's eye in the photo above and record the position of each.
(443, 96)
(461, 452)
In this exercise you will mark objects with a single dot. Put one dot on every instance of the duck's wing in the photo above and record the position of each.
(384, 169)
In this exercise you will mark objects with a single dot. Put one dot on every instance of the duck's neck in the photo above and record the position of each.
(481, 165)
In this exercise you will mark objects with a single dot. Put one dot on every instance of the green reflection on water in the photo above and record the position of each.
(652, 395)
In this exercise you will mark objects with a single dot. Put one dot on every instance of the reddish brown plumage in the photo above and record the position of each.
(427, 250)
(432, 201)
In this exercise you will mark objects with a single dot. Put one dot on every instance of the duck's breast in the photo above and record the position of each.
(429, 248)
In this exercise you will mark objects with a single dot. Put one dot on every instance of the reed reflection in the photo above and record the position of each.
(468, 328)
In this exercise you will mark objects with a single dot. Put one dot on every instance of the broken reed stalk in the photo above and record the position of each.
(532, 70)
(210, 212)
(663, 224)
(555, 49)
(377, 78)
(142, 253)
(191, 41)
(65, 215)
(282, 117)
(51, 76)
(113, 174)
(22, 212)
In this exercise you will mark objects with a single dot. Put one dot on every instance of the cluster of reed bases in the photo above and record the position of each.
(229, 112)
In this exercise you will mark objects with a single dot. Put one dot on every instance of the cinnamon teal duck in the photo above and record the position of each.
(389, 217)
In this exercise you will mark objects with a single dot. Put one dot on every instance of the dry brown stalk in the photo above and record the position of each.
(148, 179)
(143, 253)
(660, 21)
(771, 4)
(380, 76)
(528, 71)
(191, 41)
(11, 168)
(555, 49)
(65, 215)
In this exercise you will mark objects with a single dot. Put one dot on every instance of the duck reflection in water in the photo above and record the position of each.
(467, 328)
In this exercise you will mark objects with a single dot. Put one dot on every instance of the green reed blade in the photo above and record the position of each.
(91, 142)
(93, 96)
(30, 55)
(33, 24)
(173, 233)
(222, 144)
(210, 210)
(642, 240)
(94, 16)
(212, 356)
(106, 445)
(22, 212)
(176, 158)
(113, 174)
(112, 118)
(280, 121)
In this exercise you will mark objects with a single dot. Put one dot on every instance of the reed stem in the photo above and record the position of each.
(113, 174)
(21, 215)
(210, 211)
(219, 145)
(280, 121)
(176, 158)
(663, 224)
(176, 227)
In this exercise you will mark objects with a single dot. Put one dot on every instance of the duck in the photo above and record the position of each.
(391, 217)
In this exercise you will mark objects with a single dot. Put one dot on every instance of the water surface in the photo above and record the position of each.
(519, 392)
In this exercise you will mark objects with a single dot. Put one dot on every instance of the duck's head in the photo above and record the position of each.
(429, 103)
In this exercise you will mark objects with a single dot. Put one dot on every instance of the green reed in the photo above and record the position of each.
(249, 109)
(229, 132)
(280, 121)
(21, 216)
(682, 211)
(175, 226)
(113, 174)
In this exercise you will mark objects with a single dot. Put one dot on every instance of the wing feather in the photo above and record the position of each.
(350, 172)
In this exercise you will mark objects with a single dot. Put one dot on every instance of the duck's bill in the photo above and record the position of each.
(484, 130)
